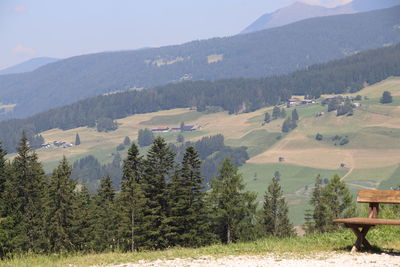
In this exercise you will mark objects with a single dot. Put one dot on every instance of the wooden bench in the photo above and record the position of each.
(361, 226)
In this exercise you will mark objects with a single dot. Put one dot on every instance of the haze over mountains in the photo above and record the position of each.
(301, 10)
(29, 65)
(269, 52)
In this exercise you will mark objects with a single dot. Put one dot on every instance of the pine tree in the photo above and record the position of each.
(25, 195)
(287, 125)
(6, 225)
(105, 217)
(145, 137)
(131, 200)
(329, 202)
(3, 177)
(275, 212)
(82, 218)
(127, 141)
(282, 113)
(233, 210)
(339, 200)
(60, 208)
(386, 98)
(180, 138)
(277, 175)
(267, 117)
(77, 140)
(317, 219)
(295, 115)
(276, 111)
(159, 165)
(187, 217)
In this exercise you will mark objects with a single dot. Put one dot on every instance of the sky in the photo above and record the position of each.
(65, 28)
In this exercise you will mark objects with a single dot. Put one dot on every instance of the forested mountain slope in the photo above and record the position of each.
(270, 52)
(234, 95)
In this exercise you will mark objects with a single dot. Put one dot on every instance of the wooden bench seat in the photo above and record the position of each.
(361, 226)
(367, 221)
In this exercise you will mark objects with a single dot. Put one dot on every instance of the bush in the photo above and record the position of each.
(106, 125)
(145, 137)
(319, 137)
(344, 141)
(386, 98)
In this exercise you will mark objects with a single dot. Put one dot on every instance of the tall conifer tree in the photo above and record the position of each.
(275, 212)
(3, 177)
(105, 217)
(295, 115)
(317, 219)
(77, 140)
(60, 208)
(233, 210)
(158, 170)
(26, 194)
(187, 218)
(82, 215)
(131, 200)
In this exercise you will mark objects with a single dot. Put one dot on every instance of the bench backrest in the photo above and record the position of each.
(379, 196)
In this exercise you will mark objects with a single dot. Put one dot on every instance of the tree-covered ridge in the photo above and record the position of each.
(270, 52)
(234, 95)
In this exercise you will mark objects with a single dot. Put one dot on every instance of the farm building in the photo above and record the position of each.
(291, 102)
(161, 129)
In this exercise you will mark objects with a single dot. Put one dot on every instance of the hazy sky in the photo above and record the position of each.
(64, 28)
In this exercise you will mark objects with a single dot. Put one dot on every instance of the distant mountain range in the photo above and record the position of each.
(29, 65)
(299, 11)
(263, 53)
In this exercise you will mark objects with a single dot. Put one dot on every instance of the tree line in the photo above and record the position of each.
(160, 204)
(234, 95)
(212, 150)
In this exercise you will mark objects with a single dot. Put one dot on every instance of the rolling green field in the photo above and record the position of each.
(371, 158)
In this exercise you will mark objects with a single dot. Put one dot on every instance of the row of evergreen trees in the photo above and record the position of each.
(160, 204)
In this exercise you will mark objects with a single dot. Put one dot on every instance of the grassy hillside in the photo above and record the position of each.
(270, 52)
(371, 157)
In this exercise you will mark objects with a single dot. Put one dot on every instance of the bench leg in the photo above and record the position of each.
(361, 240)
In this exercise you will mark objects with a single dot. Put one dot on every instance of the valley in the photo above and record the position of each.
(370, 159)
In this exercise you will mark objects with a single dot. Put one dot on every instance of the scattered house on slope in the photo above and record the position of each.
(291, 102)
(185, 128)
(190, 128)
(57, 144)
(161, 129)
(307, 102)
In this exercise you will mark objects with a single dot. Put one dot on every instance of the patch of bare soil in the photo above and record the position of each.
(318, 260)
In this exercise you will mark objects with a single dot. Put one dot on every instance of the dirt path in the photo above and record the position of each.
(319, 260)
(348, 173)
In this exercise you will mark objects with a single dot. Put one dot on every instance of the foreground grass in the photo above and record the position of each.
(385, 238)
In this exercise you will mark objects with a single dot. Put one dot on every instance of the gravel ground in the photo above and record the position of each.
(320, 260)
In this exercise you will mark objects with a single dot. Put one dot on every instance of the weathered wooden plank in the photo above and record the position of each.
(379, 196)
(367, 221)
